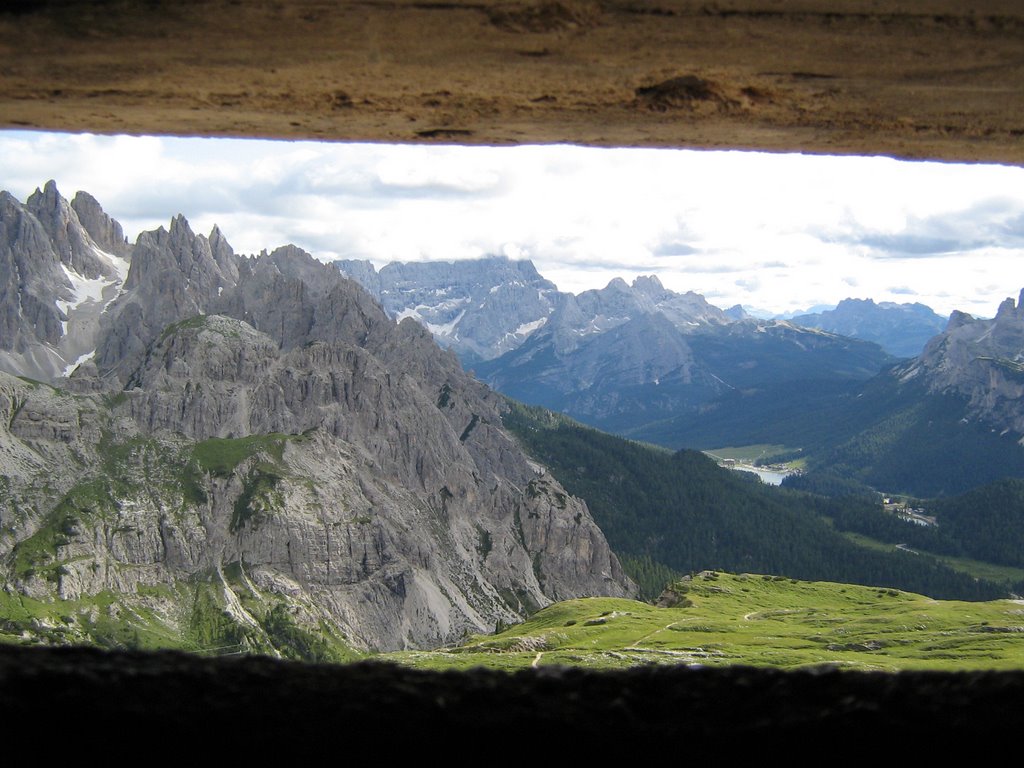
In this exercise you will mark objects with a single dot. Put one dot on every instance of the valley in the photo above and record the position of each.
(850, 77)
(231, 454)
(756, 459)
(654, 365)
(668, 514)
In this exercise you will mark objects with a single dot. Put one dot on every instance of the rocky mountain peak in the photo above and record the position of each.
(56, 283)
(981, 360)
(294, 263)
(617, 285)
(958, 319)
(619, 302)
(104, 231)
(174, 274)
(616, 301)
(271, 421)
(479, 308)
(179, 250)
(180, 227)
(31, 281)
(46, 199)
(70, 240)
(900, 329)
(650, 286)
(1007, 308)
(223, 254)
(851, 307)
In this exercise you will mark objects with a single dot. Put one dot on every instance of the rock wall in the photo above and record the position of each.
(260, 426)
(916, 78)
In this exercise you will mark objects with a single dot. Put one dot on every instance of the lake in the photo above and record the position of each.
(767, 476)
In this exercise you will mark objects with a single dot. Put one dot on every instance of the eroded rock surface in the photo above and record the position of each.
(923, 78)
(255, 435)
(981, 359)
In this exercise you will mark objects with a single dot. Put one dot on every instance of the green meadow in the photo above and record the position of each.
(746, 453)
(767, 621)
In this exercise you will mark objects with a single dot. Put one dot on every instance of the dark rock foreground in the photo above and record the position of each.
(134, 701)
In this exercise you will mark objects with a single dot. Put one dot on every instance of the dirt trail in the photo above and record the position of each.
(649, 635)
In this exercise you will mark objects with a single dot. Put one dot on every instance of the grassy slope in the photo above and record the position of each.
(198, 612)
(787, 623)
(756, 620)
(191, 615)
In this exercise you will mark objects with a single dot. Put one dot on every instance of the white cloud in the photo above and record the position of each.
(776, 231)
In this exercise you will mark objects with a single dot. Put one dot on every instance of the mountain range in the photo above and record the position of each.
(248, 451)
(483, 308)
(942, 423)
(479, 309)
(627, 357)
(622, 358)
(208, 450)
(901, 330)
(649, 363)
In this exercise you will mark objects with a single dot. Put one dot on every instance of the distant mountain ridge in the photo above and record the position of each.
(482, 308)
(652, 364)
(625, 358)
(619, 357)
(901, 330)
(980, 359)
(479, 309)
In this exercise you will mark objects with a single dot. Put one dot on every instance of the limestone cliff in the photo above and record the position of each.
(981, 359)
(55, 281)
(257, 453)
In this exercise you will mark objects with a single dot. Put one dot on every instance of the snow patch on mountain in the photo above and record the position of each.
(98, 290)
(70, 367)
(527, 328)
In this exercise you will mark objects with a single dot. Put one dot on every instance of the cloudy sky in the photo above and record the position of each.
(772, 232)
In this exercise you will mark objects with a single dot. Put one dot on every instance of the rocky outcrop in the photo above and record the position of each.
(260, 424)
(69, 239)
(29, 275)
(104, 231)
(982, 360)
(404, 518)
(175, 274)
(55, 282)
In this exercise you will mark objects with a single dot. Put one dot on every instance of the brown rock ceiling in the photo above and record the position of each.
(920, 78)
